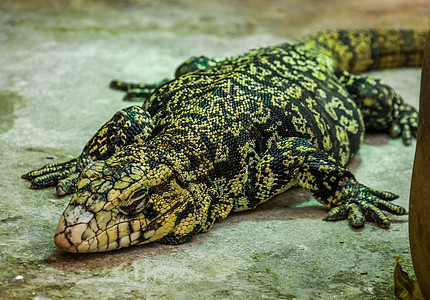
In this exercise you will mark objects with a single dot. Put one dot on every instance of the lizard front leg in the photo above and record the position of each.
(294, 161)
(142, 91)
(128, 126)
(136, 91)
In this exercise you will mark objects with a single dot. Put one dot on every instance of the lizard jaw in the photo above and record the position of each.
(80, 237)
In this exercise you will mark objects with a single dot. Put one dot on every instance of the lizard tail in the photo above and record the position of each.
(369, 49)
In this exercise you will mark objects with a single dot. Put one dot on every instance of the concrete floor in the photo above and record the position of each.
(57, 58)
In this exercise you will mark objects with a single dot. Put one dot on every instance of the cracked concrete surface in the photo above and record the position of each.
(57, 59)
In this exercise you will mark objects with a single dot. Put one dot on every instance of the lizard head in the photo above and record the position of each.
(123, 202)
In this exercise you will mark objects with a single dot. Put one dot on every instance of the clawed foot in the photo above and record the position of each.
(360, 203)
(63, 175)
(136, 91)
(406, 124)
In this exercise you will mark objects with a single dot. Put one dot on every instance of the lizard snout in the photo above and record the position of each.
(74, 236)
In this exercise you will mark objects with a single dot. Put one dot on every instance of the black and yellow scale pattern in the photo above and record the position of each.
(229, 134)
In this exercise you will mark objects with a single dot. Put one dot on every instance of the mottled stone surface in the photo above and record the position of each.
(56, 62)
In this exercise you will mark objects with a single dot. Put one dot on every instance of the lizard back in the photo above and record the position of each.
(239, 108)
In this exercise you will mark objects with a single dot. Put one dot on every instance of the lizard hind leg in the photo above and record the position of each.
(196, 63)
(128, 126)
(382, 108)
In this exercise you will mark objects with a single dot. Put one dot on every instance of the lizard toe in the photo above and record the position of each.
(355, 216)
(336, 213)
(67, 185)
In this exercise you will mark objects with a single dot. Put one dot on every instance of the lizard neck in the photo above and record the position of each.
(186, 155)
(190, 160)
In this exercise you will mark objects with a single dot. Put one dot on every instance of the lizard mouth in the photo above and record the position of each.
(84, 237)
(81, 238)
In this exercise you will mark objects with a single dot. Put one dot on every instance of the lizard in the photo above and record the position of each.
(227, 134)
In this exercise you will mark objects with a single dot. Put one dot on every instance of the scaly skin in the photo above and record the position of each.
(228, 134)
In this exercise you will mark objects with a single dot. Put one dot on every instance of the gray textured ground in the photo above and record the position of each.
(56, 62)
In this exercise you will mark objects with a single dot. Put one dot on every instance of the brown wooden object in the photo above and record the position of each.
(419, 205)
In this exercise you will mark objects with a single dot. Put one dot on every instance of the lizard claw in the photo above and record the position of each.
(64, 175)
(360, 203)
(406, 124)
(67, 185)
(136, 91)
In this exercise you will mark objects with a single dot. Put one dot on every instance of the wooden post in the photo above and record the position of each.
(419, 204)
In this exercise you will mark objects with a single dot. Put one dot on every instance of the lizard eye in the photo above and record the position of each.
(136, 202)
